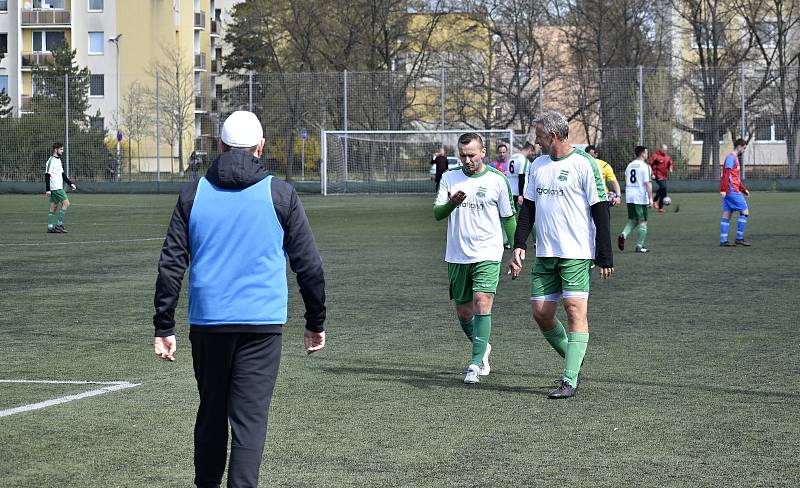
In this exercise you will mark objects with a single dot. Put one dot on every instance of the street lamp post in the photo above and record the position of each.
(115, 41)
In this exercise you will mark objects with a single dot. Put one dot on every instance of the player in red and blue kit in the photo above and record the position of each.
(733, 192)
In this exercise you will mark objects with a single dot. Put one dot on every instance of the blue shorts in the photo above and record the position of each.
(734, 202)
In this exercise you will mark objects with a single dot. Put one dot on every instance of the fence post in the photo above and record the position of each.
(541, 89)
(66, 123)
(250, 91)
(641, 105)
(442, 92)
(344, 114)
(158, 129)
(744, 114)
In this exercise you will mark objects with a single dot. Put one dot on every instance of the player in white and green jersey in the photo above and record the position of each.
(476, 200)
(639, 197)
(54, 179)
(566, 198)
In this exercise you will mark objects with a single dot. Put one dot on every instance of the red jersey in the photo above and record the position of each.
(661, 164)
(731, 181)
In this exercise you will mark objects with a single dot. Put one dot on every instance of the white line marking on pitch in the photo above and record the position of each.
(111, 386)
(37, 244)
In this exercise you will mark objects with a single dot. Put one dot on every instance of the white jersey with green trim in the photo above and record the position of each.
(564, 189)
(474, 228)
(637, 173)
(517, 168)
(56, 172)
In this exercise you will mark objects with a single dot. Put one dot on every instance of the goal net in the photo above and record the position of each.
(373, 161)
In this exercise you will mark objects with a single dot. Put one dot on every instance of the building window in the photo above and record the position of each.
(698, 124)
(767, 33)
(95, 5)
(97, 124)
(767, 130)
(48, 41)
(96, 42)
(3, 42)
(97, 86)
(710, 36)
(4, 83)
(3, 5)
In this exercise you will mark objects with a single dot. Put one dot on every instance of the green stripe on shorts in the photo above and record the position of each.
(556, 275)
(466, 279)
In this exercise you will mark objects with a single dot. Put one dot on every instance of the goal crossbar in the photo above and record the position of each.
(354, 134)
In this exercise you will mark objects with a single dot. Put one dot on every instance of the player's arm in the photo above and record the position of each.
(304, 258)
(649, 186)
(68, 181)
(604, 257)
(525, 221)
(47, 183)
(172, 265)
(443, 211)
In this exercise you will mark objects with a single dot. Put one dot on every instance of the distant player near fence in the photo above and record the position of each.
(733, 193)
(54, 179)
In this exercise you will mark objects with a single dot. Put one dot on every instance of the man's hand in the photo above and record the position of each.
(722, 194)
(605, 273)
(457, 198)
(73, 187)
(747, 193)
(313, 341)
(47, 193)
(515, 265)
(616, 201)
(165, 347)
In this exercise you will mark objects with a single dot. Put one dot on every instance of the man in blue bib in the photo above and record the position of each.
(236, 226)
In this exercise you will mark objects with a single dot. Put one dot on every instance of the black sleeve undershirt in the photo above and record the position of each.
(601, 216)
(527, 216)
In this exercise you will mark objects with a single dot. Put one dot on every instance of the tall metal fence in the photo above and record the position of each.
(170, 135)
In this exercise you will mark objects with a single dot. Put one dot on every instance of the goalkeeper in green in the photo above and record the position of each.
(476, 200)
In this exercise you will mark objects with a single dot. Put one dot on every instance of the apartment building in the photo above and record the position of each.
(119, 41)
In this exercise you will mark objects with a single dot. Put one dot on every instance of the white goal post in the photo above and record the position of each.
(386, 161)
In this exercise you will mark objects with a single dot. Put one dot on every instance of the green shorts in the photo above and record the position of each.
(637, 211)
(465, 279)
(553, 277)
(57, 196)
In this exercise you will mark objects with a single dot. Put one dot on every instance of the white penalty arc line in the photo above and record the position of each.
(111, 386)
(115, 241)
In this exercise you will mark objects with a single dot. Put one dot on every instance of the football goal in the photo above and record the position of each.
(376, 161)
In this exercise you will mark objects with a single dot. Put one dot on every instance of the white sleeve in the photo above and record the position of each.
(504, 203)
(593, 184)
(444, 188)
(529, 193)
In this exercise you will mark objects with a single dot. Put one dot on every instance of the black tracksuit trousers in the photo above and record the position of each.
(235, 375)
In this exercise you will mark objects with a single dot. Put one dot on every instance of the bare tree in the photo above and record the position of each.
(711, 71)
(137, 114)
(177, 97)
(774, 27)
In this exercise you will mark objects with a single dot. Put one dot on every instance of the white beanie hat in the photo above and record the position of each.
(242, 129)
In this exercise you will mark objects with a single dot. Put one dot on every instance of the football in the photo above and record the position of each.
(667, 201)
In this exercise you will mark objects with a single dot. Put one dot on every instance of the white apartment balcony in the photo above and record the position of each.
(30, 60)
(199, 20)
(214, 28)
(45, 18)
(200, 61)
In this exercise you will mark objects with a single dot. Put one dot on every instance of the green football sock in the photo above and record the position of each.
(51, 217)
(481, 330)
(641, 234)
(628, 228)
(60, 217)
(557, 337)
(576, 349)
(466, 326)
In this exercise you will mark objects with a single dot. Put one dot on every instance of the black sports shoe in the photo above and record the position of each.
(725, 244)
(621, 242)
(742, 242)
(565, 390)
(60, 229)
(51, 230)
